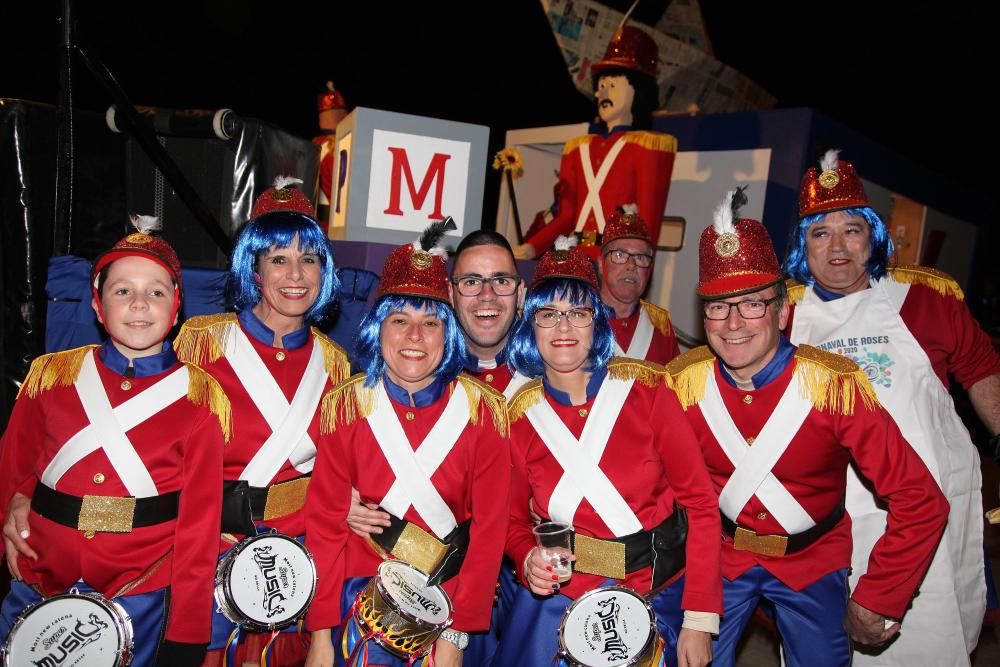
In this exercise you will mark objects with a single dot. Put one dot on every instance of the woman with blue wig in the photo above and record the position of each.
(601, 445)
(908, 327)
(423, 442)
(275, 368)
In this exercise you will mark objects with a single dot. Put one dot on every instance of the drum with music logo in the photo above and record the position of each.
(610, 627)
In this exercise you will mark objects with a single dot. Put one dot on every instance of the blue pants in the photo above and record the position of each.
(483, 645)
(811, 621)
(530, 636)
(148, 612)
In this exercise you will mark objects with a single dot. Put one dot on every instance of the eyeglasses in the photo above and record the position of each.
(578, 317)
(472, 285)
(751, 309)
(642, 260)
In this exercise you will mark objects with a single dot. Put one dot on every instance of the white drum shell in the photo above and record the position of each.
(407, 590)
(607, 627)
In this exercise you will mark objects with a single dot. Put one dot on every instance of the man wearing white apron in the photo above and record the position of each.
(778, 426)
(642, 330)
(908, 328)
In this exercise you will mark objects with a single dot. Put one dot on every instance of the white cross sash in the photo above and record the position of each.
(641, 339)
(595, 182)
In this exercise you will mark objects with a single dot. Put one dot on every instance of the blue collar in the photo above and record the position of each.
(825, 294)
(593, 386)
(612, 315)
(426, 396)
(617, 128)
(263, 334)
(142, 367)
(779, 362)
(472, 361)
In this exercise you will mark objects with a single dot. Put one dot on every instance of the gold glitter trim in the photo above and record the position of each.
(832, 382)
(138, 239)
(335, 360)
(576, 142)
(727, 245)
(421, 259)
(601, 557)
(419, 548)
(659, 317)
(689, 373)
(644, 372)
(829, 179)
(285, 498)
(528, 395)
(58, 369)
(939, 281)
(347, 402)
(282, 194)
(765, 545)
(796, 290)
(203, 389)
(481, 393)
(654, 141)
(560, 256)
(106, 514)
(203, 338)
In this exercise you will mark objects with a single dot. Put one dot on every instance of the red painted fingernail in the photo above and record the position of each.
(548, 568)
(555, 578)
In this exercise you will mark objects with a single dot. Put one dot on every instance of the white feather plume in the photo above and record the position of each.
(565, 242)
(146, 224)
(329, 85)
(630, 209)
(722, 219)
(284, 181)
(829, 161)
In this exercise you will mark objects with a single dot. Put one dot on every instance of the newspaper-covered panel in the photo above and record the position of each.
(685, 76)
(683, 22)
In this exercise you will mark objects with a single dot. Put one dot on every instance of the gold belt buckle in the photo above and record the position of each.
(588, 237)
(765, 545)
(603, 557)
(419, 548)
(106, 514)
(285, 498)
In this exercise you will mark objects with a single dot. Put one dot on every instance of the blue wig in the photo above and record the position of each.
(368, 352)
(278, 230)
(524, 356)
(796, 264)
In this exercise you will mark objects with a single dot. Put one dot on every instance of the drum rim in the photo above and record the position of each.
(123, 626)
(395, 562)
(650, 640)
(222, 590)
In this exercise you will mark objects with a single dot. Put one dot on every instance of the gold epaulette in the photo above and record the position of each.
(346, 403)
(654, 141)
(528, 395)
(660, 317)
(203, 389)
(480, 392)
(689, 373)
(335, 360)
(796, 290)
(830, 382)
(645, 372)
(939, 281)
(57, 369)
(576, 142)
(202, 339)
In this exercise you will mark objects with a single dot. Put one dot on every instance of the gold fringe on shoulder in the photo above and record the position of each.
(202, 339)
(689, 373)
(528, 395)
(796, 290)
(830, 382)
(58, 369)
(203, 389)
(335, 360)
(660, 317)
(654, 141)
(346, 402)
(576, 142)
(480, 392)
(939, 281)
(645, 372)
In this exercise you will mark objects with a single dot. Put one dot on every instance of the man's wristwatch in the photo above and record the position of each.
(456, 637)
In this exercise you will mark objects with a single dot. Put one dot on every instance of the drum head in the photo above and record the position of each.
(608, 626)
(270, 581)
(70, 630)
(406, 587)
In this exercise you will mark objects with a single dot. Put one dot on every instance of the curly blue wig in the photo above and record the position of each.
(278, 230)
(524, 356)
(797, 266)
(368, 347)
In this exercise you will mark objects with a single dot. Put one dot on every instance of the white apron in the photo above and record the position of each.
(943, 624)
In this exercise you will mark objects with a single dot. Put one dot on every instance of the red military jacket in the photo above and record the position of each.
(201, 341)
(640, 175)
(845, 424)
(181, 448)
(662, 348)
(473, 480)
(652, 464)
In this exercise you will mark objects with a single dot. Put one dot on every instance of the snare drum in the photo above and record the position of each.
(401, 612)
(83, 629)
(608, 627)
(265, 582)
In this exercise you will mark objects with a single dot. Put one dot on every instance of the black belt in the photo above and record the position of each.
(779, 545)
(243, 504)
(662, 548)
(112, 514)
(439, 559)
(589, 238)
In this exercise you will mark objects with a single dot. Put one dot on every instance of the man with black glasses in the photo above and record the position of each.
(778, 426)
(642, 330)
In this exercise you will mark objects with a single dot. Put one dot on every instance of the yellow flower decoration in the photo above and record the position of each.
(509, 160)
